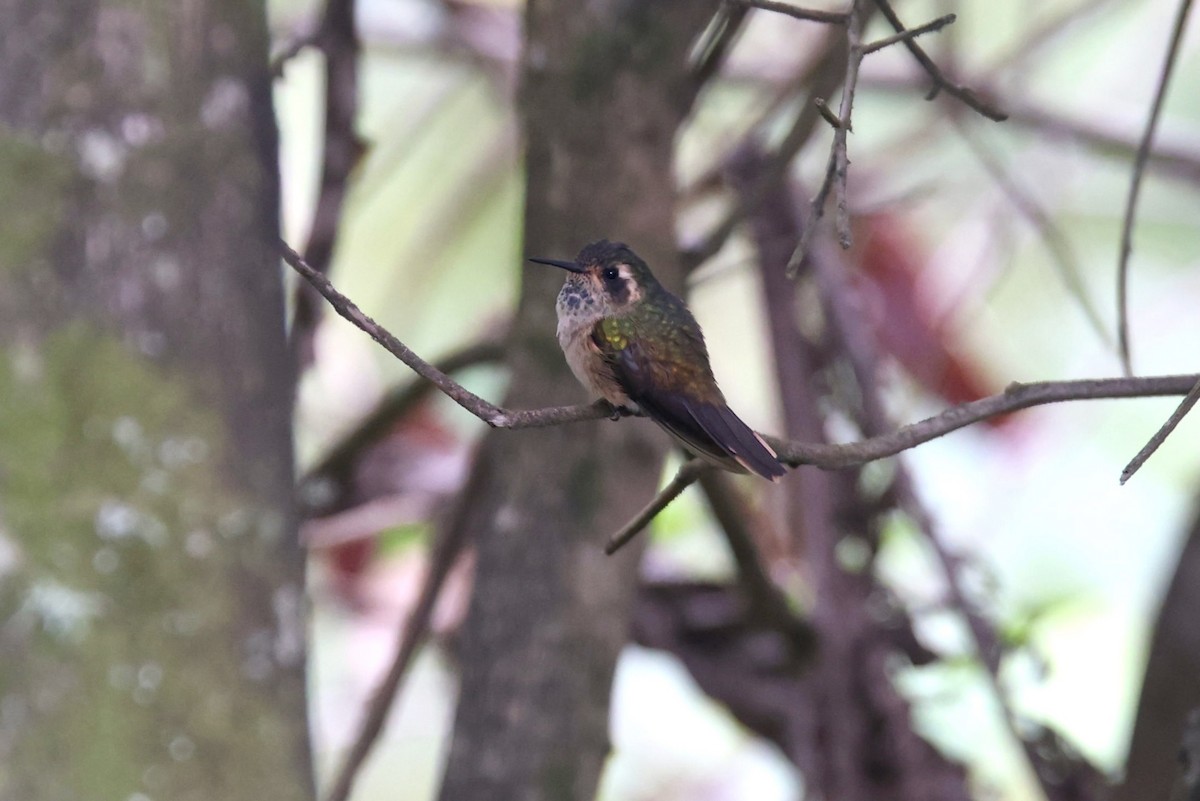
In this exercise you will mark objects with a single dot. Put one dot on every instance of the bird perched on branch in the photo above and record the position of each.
(630, 341)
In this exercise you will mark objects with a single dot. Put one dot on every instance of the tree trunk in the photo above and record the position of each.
(1170, 688)
(605, 88)
(153, 588)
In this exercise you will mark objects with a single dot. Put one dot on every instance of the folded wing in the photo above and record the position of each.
(674, 386)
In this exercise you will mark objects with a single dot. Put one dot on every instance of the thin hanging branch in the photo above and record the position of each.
(1161, 435)
(684, 478)
(1017, 396)
(940, 81)
(1135, 183)
(911, 33)
(838, 166)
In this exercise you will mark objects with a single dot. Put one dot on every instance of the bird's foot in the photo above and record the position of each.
(620, 411)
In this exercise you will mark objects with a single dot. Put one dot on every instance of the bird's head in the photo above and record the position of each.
(609, 273)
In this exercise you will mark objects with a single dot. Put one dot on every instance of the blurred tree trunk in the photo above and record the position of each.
(152, 588)
(604, 89)
(1170, 688)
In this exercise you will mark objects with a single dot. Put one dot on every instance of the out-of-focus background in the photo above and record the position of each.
(245, 553)
(1002, 240)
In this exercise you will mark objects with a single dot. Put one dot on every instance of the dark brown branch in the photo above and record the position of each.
(1161, 435)
(1017, 396)
(337, 37)
(911, 33)
(940, 81)
(839, 161)
(808, 14)
(489, 413)
(1135, 183)
(688, 472)
(822, 76)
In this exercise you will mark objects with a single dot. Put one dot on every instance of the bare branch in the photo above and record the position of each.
(689, 471)
(337, 36)
(811, 15)
(1016, 396)
(940, 81)
(822, 77)
(1135, 184)
(489, 413)
(839, 161)
(1161, 435)
(911, 33)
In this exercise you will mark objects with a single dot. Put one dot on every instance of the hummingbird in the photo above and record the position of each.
(631, 342)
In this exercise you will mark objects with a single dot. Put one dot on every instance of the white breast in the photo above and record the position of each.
(574, 337)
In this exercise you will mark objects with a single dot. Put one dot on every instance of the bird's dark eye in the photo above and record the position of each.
(610, 273)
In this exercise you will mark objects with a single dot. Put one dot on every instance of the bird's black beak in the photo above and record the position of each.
(566, 265)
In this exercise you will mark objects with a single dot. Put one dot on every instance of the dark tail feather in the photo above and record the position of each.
(729, 432)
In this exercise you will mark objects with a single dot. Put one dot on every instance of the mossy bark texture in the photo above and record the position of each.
(151, 588)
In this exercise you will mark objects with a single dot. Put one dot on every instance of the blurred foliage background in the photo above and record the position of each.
(1010, 232)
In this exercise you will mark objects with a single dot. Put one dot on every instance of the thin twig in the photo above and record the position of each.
(940, 81)
(1016, 396)
(810, 224)
(808, 14)
(1135, 184)
(688, 472)
(911, 33)
(489, 413)
(822, 77)
(1161, 435)
(827, 114)
(337, 36)
(839, 161)
(841, 158)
